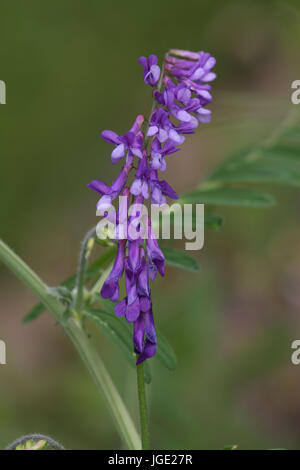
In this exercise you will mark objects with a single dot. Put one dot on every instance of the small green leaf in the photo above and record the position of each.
(213, 221)
(179, 259)
(34, 313)
(230, 197)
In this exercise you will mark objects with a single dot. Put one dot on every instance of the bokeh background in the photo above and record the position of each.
(71, 71)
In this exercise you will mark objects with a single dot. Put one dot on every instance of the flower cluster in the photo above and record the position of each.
(181, 93)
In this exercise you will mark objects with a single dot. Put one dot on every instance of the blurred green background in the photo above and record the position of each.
(71, 71)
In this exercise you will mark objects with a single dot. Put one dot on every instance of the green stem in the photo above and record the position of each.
(81, 342)
(143, 406)
(84, 254)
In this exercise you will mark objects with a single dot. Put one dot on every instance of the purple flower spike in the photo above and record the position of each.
(181, 98)
(151, 71)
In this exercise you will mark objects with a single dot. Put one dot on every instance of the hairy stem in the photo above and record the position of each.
(143, 406)
(82, 343)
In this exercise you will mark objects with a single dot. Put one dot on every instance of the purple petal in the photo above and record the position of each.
(136, 187)
(178, 139)
(168, 190)
(138, 334)
(155, 71)
(120, 308)
(111, 137)
(133, 311)
(99, 186)
(152, 131)
(104, 203)
(118, 153)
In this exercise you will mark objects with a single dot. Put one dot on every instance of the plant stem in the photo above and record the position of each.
(143, 406)
(84, 254)
(81, 342)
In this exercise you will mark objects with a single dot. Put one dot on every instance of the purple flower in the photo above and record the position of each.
(161, 126)
(132, 141)
(140, 184)
(151, 72)
(110, 192)
(195, 69)
(110, 288)
(158, 154)
(143, 280)
(155, 255)
(189, 104)
(130, 306)
(160, 189)
(167, 99)
(144, 336)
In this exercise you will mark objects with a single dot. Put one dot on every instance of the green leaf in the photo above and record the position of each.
(230, 197)
(165, 352)
(276, 164)
(179, 259)
(116, 329)
(34, 313)
(291, 135)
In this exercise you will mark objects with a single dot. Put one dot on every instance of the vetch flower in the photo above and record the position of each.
(132, 141)
(160, 189)
(144, 336)
(158, 154)
(110, 192)
(155, 255)
(140, 183)
(162, 127)
(151, 71)
(110, 288)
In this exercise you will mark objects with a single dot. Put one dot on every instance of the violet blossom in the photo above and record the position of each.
(181, 96)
